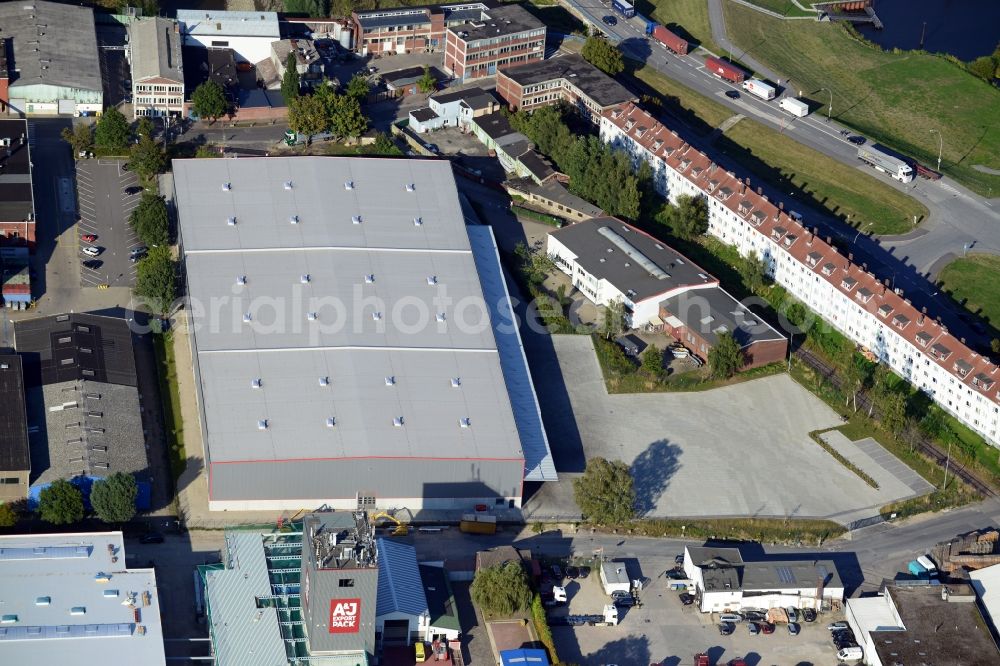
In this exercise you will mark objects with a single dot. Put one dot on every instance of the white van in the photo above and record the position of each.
(851, 654)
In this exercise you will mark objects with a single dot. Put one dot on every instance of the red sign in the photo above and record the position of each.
(345, 616)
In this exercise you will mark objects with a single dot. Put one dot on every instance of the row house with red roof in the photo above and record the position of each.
(910, 341)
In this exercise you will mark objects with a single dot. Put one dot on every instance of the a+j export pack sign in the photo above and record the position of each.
(345, 616)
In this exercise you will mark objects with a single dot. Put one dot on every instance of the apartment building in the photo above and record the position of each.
(154, 53)
(569, 79)
(410, 29)
(507, 36)
(849, 297)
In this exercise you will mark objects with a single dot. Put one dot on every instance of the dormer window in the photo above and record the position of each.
(724, 193)
(657, 144)
(778, 232)
(848, 283)
(886, 309)
(712, 184)
(828, 268)
(640, 131)
(863, 295)
(983, 381)
(813, 258)
(685, 163)
(696, 171)
(668, 151)
(940, 352)
(629, 124)
(962, 367)
(789, 239)
(757, 217)
(924, 338)
(744, 207)
(900, 321)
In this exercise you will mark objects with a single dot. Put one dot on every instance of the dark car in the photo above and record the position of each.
(625, 602)
(686, 599)
(809, 615)
(133, 189)
(151, 537)
(857, 140)
(572, 573)
(557, 572)
(793, 628)
(732, 94)
(767, 627)
(610, 20)
(755, 616)
(584, 572)
(753, 628)
(727, 628)
(93, 264)
(679, 559)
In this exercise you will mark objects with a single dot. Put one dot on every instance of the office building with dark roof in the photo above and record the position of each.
(410, 29)
(507, 36)
(15, 462)
(17, 199)
(568, 78)
(82, 400)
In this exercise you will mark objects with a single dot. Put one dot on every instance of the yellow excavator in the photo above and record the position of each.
(401, 528)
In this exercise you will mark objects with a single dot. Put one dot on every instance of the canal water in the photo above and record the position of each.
(966, 29)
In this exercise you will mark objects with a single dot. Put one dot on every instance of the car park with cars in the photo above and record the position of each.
(726, 628)
(91, 250)
(753, 628)
(735, 618)
(793, 628)
(88, 238)
(766, 628)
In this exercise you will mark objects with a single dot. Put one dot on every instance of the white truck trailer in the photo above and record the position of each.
(794, 106)
(886, 163)
(757, 87)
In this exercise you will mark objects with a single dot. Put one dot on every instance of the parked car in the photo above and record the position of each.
(732, 94)
(557, 572)
(857, 140)
(618, 594)
(88, 238)
(679, 559)
(151, 537)
(753, 628)
(572, 573)
(726, 628)
(91, 251)
(134, 189)
(93, 264)
(584, 572)
(755, 616)
(793, 628)
(793, 615)
(767, 627)
(809, 615)
(686, 599)
(610, 20)
(837, 625)
(731, 617)
(141, 249)
(625, 602)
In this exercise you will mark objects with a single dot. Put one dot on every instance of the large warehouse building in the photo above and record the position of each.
(351, 346)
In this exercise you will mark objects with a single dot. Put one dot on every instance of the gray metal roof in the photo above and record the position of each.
(229, 24)
(713, 311)
(43, 577)
(366, 358)
(788, 574)
(573, 69)
(54, 44)
(155, 49)
(399, 586)
(497, 22)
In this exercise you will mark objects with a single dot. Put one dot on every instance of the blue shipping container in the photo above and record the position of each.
(623, 7)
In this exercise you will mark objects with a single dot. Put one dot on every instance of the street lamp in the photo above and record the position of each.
(940, 146)
(829, 111)
(860, 231)
(791, 343)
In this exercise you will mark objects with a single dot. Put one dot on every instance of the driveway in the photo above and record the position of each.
(742, 450)
(103, 188)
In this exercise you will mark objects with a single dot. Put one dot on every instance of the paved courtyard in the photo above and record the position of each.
(742, 450)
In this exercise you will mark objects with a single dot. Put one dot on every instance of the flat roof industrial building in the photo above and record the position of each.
(350, 345)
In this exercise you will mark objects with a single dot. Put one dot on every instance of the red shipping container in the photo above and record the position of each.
(670, 40)
(725, 70)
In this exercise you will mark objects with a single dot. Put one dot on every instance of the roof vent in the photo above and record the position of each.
(465, 422)
(288, 184)
(417, 221)
(241, 279)
(304, 279)
(311, 316)
(247, 318)
(440, 316)
(356, 219)
(349, 185)
(456, 382)
(390, 381)
(376, 316)
(398, 421)
(324, 381)
(226, 187)
(262, 424)
(294, 219)
(256, 383)
(432, 279)
(231, 221)
(330, 422)
(369, 278)
(411, 188)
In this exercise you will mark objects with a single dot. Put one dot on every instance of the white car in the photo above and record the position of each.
(91, 251)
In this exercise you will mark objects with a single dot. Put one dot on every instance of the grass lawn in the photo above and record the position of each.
(974, 281)
(171, 402)
(844, 191)
(894, 99)
(556, 17)
(687, 18)
(690, 106)
(783, 7)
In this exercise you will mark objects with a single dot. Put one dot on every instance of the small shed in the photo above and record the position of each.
(614, 577)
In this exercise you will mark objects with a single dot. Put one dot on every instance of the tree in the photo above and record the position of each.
(603, 55)
(156, 279)
(535, 264)
(150, 221)
(689, 218)
(80, 138)
(652, 360)
(144, 127)
(984, 67)
(290, 81)
(358, 88)
(613, 324)
(113, 498)
(502, 589)
(852, 378)
(995, 345)
(346, 119)
(8, 515)
(148, 158)
(61, 503)
(753, 271)
(308, 115)
(725, 357)
(892, 408)
(426, 83)
(209, 101)
(111, 133)
(384, 145)
(606, 492)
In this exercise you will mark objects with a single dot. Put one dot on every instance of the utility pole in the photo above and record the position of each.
(829, 110)
(923, 32)
(940, 146)
(947, 463)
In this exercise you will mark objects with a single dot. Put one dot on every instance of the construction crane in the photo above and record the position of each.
(401, 528)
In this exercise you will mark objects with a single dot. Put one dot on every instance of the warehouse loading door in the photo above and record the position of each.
(396, 632)
(67, 107)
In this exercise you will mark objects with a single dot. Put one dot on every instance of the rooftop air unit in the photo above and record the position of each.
(390, 381)
(304, 279)
(311, 316)
(432, 280)
(398, 421)
(330, 422)
(256, 383)
(440, 316)
(349, 185)
(411, 188)
(231, 221)
(262, 424)
(356, 219)
(288, 184)
(376, 316)
(241, 279)
(456, 382)
(417, 221)
(247, 318)
(294, 219)
(226, 187)
(324, 381)
(465, 422)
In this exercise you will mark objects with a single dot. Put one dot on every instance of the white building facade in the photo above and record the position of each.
(248, 34)
(845, 295)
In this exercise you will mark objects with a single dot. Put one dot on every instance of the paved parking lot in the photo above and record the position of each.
(105, 206)
(742, 450)
(665, 632)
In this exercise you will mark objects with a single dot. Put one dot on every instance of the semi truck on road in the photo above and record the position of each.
(623, 7)
(760, 89)
(724, 70)
(796, 107)
(886, 163)
(668, 39)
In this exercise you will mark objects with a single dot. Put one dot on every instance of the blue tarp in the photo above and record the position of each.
(142, 500)
(524, 658)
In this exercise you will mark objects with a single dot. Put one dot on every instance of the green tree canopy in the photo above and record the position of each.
(209, 101)
(502, 590)
(426, 83)
(8, 515)
(358, 88)
(606, 492)
(652, 360)
(346, 119)
(985, 67)
(688, 219)
(144, 127)
(148, 158)
(384, 145)
(892, 410)
(290, 83)
(603, 55)
(156, 279)
(112, 131)
(150, 221)
(725, 358)
(613, 323)
(113, 498)
(80, 138)
(309, 115)
(61, 503)
(753, 271)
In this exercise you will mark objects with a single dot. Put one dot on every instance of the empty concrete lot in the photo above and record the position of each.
(665, 632)
(742, 450)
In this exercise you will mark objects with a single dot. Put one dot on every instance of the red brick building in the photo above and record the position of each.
(17, 202)
(4, 78)
(507, 36)
(410, 29)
